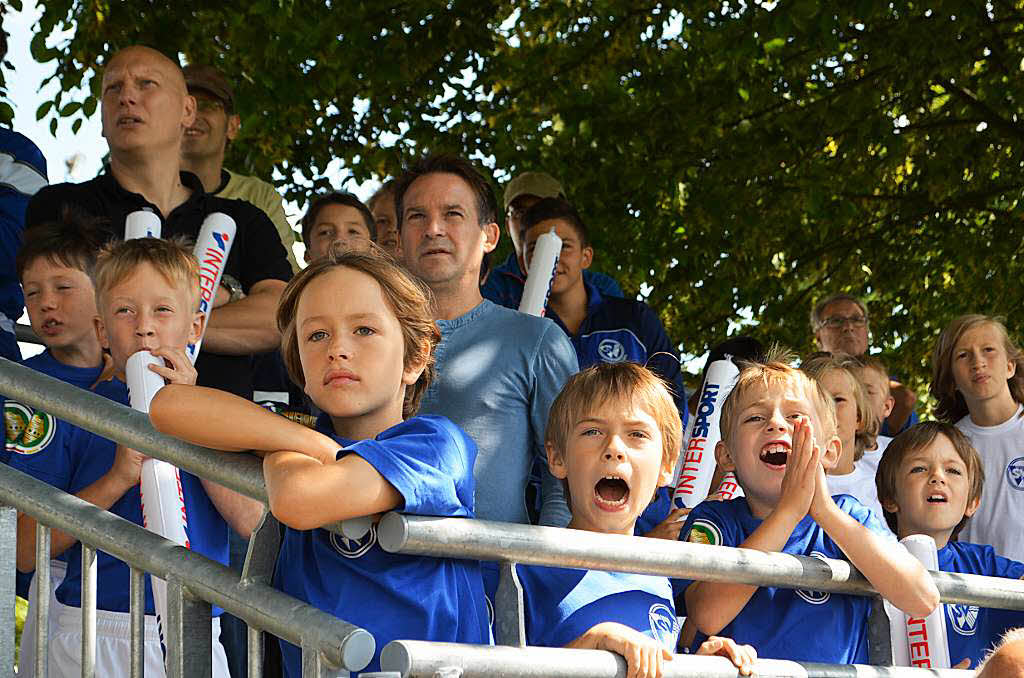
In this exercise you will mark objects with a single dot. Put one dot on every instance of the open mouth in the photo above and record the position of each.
(612, 491)
(937, 499)
(775, 454)
(129, 120)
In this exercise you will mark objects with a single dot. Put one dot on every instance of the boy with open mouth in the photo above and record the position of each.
(612, 437)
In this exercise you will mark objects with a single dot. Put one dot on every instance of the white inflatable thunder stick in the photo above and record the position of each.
(163, 504)
(919, 641)
(142, 223)
(697, 461)
(729, 488)
(212, 248)
(541, 273)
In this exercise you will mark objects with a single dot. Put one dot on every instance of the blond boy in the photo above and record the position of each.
(778, 435)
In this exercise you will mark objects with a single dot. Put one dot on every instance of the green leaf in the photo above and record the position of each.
(43, 109)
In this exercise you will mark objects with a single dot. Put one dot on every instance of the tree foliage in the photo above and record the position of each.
(735, 160)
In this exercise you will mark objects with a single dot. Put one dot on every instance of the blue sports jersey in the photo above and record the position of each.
(618, 330)
(655, 513)
(971, 631)
(429, 460)
(71, 459)
(781, 623)
(562, 604)
(505, 282)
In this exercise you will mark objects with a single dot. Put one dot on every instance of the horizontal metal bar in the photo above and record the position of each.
(487, 540)
(26, 334)
(420, 659)
(258, 604)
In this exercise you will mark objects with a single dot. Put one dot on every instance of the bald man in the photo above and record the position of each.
(146, 109)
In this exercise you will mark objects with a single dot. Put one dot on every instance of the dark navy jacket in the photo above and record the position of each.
(504, 285)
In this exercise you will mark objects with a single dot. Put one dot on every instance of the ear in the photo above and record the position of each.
(667, 471)
(887, 407)
(411, 374)
(1011, 368)
(492, 233)
(831, 451)
(234, 124)
(587, 257)
(890, 506)
(196, 330)
(556, 461)
(189, 111)
(101, 331)
(724, 457)
(972, 507)
(305, 256)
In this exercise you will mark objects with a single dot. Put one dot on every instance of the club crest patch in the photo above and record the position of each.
(26, 430)
(611, 351)
(354, 548)
(704, 532)
(664, 625)
(1015, 473)
(964, 618)
(814, 597)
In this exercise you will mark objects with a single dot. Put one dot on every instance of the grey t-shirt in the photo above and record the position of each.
(498, 371)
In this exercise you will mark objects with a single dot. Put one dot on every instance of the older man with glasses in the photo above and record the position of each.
(840, 324)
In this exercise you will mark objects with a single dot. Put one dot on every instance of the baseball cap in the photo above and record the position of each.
(540, 184)
(210, 80)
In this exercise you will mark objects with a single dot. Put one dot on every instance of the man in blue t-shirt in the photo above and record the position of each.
(504, 283)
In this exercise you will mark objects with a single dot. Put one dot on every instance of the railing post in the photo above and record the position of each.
(313, 664)
(88, 611)
(260, 560)
(41, 604)
(879, 640)
(187, 618)
(509, 613)
(9, 535)
(137, 621)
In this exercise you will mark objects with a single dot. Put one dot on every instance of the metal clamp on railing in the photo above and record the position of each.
(419, 659)
(322, 636)
(486, 540)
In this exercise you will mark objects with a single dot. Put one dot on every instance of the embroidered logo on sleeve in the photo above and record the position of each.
(1015, 473)
(964, 618)
(27, 431)
(354, 548)
(704, 532)
(611, 351)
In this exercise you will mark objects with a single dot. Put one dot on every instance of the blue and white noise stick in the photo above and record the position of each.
(696, 465)
(163, 503)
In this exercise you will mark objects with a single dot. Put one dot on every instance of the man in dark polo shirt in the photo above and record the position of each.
(146, 109)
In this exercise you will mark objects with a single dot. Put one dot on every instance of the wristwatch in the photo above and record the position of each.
(231, 284)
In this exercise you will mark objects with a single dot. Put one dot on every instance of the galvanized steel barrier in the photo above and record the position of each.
(442, 537)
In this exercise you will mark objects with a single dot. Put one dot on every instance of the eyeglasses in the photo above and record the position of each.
(836, 322)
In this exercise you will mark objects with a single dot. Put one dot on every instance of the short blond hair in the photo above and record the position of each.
(776, 370)
(873, 362)
(172, 258)
(867, 424)
(624, 382)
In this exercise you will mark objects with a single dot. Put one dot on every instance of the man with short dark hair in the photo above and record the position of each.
(498, 371)
(840, 324)
(504, 283)
(202, 150)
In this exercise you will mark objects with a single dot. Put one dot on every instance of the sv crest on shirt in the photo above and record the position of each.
(664, 625)
(354, 548)
(1015, 473)
(964, 618)
(814, 597)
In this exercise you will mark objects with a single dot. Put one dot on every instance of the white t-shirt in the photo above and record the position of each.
(998, 520)
(860, 485)
(872, 458)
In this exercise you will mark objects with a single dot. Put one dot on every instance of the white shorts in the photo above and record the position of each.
(27, 654)
(113, 646)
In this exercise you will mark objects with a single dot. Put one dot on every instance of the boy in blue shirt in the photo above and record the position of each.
(779, 436)
(147, 294)
(929, 482)
(613, 436)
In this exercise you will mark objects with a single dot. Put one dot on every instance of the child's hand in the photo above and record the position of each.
(669, 528)
(178, 368)
(127, 466)
(800, 481)
(822, 501)
(743, 656)
(963, 664)
(643, 655)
